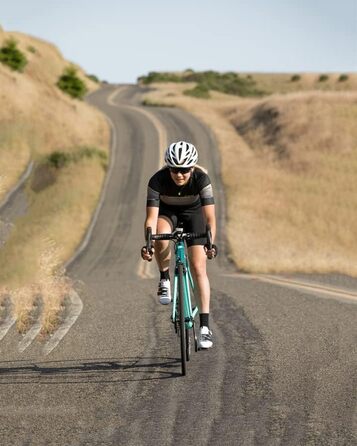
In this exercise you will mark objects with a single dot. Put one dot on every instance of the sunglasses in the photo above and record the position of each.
(182, 170)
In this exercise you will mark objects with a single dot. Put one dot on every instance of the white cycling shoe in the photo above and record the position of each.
(205, 338)
(164, 292)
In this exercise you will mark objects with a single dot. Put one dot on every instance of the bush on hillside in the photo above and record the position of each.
(229, 83)
(93, 78)
(295, 78)
(200, 91)
(11, 56)
(343, 78)
(154, 76)
(60, 159)
(71, 84)
(150, 103)
(31, 49)
(323, 78)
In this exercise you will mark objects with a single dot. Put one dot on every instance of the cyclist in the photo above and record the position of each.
(182, 192)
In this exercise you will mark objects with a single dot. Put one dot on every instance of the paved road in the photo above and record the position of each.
(283, 367)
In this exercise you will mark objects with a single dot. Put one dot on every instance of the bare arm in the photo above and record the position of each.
(210, 215)
(152, 214)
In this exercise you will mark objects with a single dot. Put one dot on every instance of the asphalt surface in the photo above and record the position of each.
(283, 367)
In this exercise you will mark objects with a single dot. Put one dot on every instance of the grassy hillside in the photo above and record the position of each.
(289, 166)
(295, 82)
(252, 84)
(42, 123)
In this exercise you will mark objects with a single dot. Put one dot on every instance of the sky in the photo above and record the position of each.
(119, 40)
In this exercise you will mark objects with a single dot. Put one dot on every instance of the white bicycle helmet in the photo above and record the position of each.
(181, 154)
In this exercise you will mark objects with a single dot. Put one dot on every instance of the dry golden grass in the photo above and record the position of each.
(39, 119)
(289, 166)
(281, 82)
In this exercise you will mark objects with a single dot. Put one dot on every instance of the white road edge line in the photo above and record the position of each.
(145, 270)
(102, 196)
(75, 310)
(304, 286)
(76, 302)
(111, 97)
(6, 325)
(17, 186)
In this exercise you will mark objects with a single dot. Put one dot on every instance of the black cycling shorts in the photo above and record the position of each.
(192, 220)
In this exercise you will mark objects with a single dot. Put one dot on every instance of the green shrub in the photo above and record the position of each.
(150, 103)
(93, 78)
(295, 78)
(323, 78)
(60, 159)
(229, 83)
(200, 91)
(71, 84)
(154, 76)
(343, 78)
(11, 56)
(31, 49)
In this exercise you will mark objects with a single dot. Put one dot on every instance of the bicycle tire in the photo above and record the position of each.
(181, 296)
(188, 344)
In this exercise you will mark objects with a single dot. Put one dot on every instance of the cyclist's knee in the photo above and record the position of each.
(163, 248)
(199, 268)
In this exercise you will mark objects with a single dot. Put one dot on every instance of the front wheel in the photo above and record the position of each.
(181, 307)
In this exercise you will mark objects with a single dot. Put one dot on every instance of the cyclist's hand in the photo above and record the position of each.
(211, 253)
(147, 255)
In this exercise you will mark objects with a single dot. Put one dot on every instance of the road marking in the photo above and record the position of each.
(300, 285)
(111, 97)
(21, 181)
(89, 232)
(161, 130)
(6, 325)
(30, 336)
(75, 309)
(145, 270)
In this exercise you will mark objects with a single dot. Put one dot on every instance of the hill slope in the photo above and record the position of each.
(35, 116)
(289, 165)
(68, 140)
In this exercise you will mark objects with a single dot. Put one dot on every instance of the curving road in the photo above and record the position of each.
(283, 367)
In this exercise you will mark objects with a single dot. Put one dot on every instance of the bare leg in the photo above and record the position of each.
(198, 261)
(162, 247)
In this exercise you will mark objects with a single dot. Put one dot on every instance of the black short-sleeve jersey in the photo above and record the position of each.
(163, 190)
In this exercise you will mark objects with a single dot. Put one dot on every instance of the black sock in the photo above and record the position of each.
(165, 275)
(204, 320)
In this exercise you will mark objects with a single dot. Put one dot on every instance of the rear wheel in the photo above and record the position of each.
(188, 344)
(181, 296)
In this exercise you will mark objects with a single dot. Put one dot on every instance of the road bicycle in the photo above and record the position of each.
(183, 313)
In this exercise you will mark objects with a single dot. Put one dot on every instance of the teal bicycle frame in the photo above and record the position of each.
(183, 315)
(189, 312)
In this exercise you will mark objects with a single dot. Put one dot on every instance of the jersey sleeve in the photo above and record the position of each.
(205, 190)
(153, 192)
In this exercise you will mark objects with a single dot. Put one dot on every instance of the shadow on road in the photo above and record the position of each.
(101, 370)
